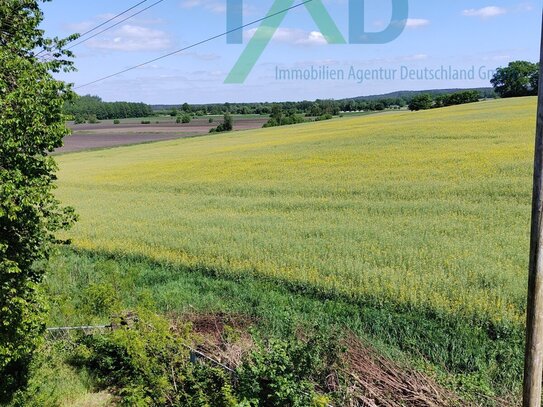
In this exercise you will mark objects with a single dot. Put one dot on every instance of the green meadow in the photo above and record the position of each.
(417, 220)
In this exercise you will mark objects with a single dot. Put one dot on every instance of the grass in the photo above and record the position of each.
(86, 288)
(409, 228)
(425, 209)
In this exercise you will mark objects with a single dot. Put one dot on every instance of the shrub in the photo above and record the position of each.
(226, 125)
(92, 119)
(116, 121)
(145, 122)
(210, 120)
(282, 372)
(146, 364)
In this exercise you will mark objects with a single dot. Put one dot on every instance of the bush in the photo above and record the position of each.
(324, 117)
(145, 122)
(210, 120)
(283, 372)
(226, 125)
(146, 364)
(92, 119)
(116, 121)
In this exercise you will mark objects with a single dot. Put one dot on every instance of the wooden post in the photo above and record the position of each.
(533, 362)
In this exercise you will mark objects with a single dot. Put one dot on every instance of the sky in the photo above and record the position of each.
(445, 44)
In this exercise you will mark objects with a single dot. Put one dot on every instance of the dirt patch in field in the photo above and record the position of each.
(105, 135)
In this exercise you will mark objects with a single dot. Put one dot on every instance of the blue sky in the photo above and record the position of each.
(460, 34)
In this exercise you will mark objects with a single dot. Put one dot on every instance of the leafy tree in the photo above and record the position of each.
(519, 78)
(226, 125)
(228, 122)
(31, 126)
(277, 113)
(421, 102)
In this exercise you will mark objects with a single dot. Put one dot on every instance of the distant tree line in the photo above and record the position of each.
(317, 108)
(427, 101)
(89, 108)
(92, 108)
(519, 78)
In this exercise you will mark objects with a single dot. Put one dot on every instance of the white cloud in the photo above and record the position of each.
(485, 12)
(417, 22)
(210, 5)
(293, 36)
(132, 38)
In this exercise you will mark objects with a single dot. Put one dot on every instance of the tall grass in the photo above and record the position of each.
(427, 210)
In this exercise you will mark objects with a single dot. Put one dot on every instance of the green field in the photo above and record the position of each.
(411, 229)
(428, 209)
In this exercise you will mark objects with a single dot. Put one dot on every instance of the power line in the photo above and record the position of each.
(112, 18)
(106, 22)
(114, 25)
(195, 44)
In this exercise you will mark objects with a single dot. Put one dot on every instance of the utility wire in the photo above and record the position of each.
(106, 22)
(195, 44)
(112, 18)
(114, 25)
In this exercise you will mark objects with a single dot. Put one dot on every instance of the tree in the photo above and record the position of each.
(519, 78)
(421, 102)
(31, 126)
(228, 122)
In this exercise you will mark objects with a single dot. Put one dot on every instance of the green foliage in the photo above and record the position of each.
(458, 98)
(32, 125)
(283, 372)
(146, 365)
(92, 119)
(226, 125)
(53, 382)
(279, 119)
(202, 385)
(146, 122)
(519, 78)
(478, 358)
(185, 118)
(421, 102)
(324, 117)
(136, 361)
(116, 121)
(86, 106)
(210, 120)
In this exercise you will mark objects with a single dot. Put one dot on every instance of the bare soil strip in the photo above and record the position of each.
(106, 135)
